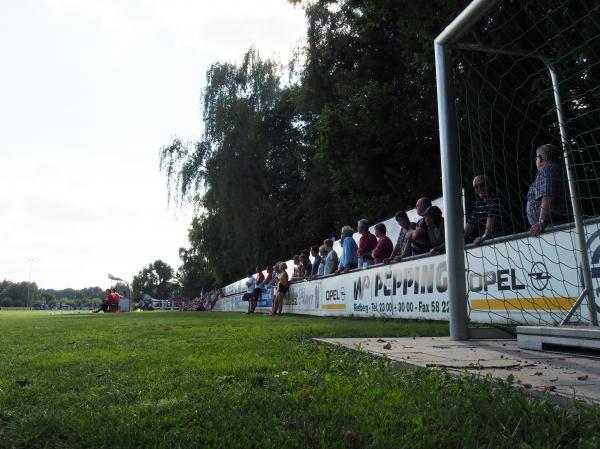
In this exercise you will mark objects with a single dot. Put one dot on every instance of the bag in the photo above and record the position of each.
(246, 297)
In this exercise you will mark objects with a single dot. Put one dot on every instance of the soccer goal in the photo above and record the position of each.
(512, 76)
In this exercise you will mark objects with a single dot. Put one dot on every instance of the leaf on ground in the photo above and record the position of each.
(354, 438)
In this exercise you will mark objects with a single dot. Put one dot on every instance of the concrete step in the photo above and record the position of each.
(540, 338)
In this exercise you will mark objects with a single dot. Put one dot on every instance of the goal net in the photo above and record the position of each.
(506, 108)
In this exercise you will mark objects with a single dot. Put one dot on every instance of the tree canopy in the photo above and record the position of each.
(156, 280)
(281, 164)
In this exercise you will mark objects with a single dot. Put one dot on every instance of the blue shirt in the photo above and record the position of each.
(316, 264)
(349, 252)
(548, 182)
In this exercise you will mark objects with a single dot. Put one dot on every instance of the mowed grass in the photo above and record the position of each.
(204, 380)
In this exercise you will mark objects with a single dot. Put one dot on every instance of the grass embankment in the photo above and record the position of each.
(197, 380)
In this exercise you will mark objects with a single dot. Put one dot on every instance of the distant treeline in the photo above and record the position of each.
(25, 294)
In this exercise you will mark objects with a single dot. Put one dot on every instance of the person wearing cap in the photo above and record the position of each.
(546, 199)
(435, 229)
(485, 220)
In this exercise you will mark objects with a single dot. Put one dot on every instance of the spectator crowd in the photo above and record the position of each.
(546, 205)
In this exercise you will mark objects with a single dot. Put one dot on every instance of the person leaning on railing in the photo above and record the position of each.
(331, 260)
(485, 220)
(314, 251)
(322, 259)
(268, 283)
(402, 242)
(546, 199)
(435, 230)
(305, 265)
(366, 244)
(384, 247)
(275, 280)
(349, 259)
(297, 266)
(419, 237)
(282, 289)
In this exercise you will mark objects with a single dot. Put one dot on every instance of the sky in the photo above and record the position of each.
(89, 92)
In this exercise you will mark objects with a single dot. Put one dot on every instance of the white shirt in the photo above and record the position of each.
(250, 282)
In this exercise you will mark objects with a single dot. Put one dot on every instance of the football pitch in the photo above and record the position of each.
(204, 380)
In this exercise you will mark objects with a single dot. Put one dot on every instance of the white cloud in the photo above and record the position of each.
(90, 92)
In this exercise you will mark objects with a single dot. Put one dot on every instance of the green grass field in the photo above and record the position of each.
(202, 380)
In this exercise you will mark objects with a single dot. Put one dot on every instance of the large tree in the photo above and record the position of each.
(243, 170)
(281, 166)
(156, 280)
(193, 274)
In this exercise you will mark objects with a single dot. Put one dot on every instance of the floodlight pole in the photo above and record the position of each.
(450, 159)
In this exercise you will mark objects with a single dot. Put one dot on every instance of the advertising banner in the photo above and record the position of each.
(526, 280)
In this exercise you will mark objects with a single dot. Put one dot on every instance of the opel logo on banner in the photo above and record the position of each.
(539, 276)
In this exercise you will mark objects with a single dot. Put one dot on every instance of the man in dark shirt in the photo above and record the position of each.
(546, 199)
(485, 219)
(435, 229)
(419, 237)
(314, 251)
(384, 247)
(405, 226)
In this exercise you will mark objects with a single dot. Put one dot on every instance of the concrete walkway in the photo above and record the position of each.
(561, 376)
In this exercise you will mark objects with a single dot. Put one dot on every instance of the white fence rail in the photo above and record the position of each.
(520, 280)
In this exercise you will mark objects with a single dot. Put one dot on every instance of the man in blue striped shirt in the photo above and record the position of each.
(546, 199)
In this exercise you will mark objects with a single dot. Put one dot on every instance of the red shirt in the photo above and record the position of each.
(383, 250)
(113, 298)
(260, 278)
(366, 245)
(302, 270)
